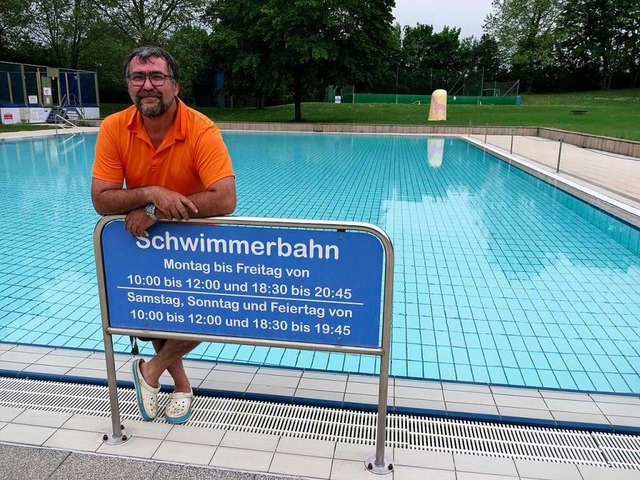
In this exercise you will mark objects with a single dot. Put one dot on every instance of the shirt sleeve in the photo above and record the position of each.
(108, 164)
(212, 157)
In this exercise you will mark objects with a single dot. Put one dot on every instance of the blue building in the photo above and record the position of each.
(36, 93)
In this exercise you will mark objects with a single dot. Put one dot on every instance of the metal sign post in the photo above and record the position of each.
(306, 284)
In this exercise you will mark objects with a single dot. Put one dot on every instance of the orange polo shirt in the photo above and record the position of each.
(191, 157)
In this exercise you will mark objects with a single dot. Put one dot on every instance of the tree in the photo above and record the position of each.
(392, 78)
(526, 34)
(105, 57)
(433, 60)
(602, 37)
(269, 45)
(631, 39)
(149, 22)
(485, 54)
(188, 46)
(238, 47)
(14, 18)
(63, 28)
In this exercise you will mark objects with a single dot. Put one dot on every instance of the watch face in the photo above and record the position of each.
(150, 209)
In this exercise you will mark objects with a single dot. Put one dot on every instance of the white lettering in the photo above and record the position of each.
(280, 247)
(213, 303)
(303, 309)
(171, 264)
(161, 299)
(259, 269)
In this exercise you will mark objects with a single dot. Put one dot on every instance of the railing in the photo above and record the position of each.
(69, 103)
(68, 100)
(512, 134)
(68, 122)
(559, 155)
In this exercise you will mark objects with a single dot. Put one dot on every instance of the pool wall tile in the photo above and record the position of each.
(505, 278)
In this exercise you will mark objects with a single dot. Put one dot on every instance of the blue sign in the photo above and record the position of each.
(288, 284)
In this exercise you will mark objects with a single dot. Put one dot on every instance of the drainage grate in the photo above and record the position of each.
(349, 426)
(621, 451)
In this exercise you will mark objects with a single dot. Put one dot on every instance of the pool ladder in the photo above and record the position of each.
(66, 125)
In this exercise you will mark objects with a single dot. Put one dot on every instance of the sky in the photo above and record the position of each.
(469, 15)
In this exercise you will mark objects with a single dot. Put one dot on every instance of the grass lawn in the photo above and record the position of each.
(614, 113)
(23, 127)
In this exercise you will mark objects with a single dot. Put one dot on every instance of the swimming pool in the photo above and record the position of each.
(500, 278)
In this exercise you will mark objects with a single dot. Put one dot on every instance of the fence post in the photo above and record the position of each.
(559, 155)
(469, 133)
(486, 127)
(511, 148)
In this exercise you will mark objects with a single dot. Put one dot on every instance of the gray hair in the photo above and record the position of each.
(145, 53)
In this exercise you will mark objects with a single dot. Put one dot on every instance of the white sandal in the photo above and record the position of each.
(146, 395)
(178, 410)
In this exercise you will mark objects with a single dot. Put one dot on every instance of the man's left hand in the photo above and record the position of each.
(137, 222)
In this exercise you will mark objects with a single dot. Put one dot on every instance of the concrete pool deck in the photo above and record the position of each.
(606, 180)
(242, 454)
(618, 175)
(233, 454)
(246, 455)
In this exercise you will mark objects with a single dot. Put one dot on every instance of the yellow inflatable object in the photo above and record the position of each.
(438, 107)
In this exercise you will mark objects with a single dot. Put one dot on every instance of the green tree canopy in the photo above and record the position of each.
(149, 22)
(188, 45)
(14, 20)
(437, 59)
(486, 55)
(526, 34)
(600, 38)
(63, 28)
(273, 45)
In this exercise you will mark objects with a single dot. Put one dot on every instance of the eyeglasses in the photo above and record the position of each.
(156, 78)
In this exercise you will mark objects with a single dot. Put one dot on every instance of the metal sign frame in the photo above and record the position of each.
(376, 463)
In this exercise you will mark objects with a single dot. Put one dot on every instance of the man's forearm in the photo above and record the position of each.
(116, 201)
(212, 203)
(218, 199)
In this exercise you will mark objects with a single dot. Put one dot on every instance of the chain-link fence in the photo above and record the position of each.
(465, 87)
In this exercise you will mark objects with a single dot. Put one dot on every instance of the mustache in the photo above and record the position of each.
(150, 94)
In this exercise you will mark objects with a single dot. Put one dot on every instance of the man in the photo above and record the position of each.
(175, 166)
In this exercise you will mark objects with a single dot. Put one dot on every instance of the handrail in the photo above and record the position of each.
(73, 125)
(69, 99)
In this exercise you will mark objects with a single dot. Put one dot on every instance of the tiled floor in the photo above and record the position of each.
(617, 173)
(483, 292)
(538, 407)
(240, 452)
(248, 452)
(18, 462)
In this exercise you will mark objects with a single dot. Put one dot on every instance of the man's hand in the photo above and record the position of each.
(172, 205)
(109, 198)
(137, 222)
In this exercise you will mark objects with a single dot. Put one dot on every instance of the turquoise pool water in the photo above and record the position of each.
(500, 278)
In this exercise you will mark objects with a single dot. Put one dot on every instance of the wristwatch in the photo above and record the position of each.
(150, 210)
